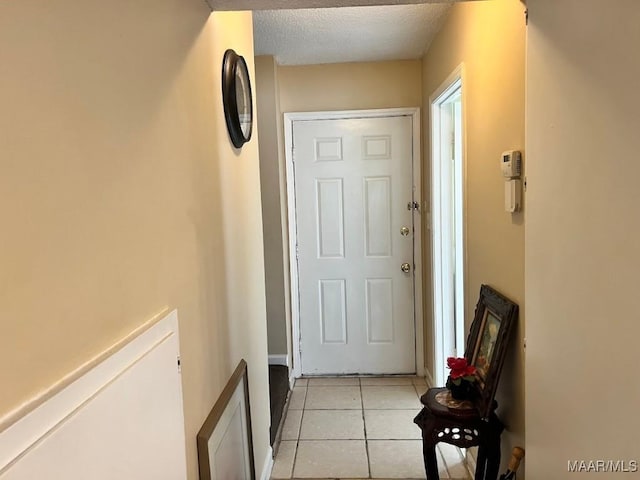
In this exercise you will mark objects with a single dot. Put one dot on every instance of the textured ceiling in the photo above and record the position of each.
(348, 34)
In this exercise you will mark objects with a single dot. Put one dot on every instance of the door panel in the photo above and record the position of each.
(353, 180)
(329, 215)
(379, 304)
(377, 206)
(333, 311)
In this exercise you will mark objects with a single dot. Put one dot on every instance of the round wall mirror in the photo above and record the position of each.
(236, 98)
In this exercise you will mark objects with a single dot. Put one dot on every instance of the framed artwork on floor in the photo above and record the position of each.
(225, 447)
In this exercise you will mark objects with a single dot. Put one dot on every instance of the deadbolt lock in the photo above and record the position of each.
(404, 231)
(405, 267)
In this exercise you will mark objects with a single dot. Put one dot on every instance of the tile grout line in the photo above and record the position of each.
(295, 455)
(364, 428)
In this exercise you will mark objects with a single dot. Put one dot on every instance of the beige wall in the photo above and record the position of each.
(583, 232)
(488, 37)
(122, 194)
(271, 178)
(346, 86)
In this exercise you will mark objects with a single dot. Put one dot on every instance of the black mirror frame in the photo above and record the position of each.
(230, 64)
(507, 312)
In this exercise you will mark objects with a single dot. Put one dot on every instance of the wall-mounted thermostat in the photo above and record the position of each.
(511, 163)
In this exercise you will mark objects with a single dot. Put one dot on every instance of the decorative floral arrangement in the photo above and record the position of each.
(461, 377)
(460, 370)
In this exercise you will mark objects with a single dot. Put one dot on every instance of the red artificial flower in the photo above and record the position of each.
(460, 368)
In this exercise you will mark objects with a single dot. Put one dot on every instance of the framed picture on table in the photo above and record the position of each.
(487, 343)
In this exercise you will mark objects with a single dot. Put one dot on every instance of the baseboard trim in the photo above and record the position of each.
(428, 377)
(279, 360)
(268, 465)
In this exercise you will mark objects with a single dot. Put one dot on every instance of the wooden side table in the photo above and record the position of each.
(444, 419)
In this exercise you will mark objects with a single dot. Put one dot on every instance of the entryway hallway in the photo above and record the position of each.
(357, 427)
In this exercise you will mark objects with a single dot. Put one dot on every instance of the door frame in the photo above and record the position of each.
(289, 119)
(457, 77)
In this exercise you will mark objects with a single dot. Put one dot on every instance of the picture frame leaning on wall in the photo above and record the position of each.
(487, 343)
(225, 444)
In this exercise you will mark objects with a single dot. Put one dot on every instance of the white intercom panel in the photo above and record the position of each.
(511, 165)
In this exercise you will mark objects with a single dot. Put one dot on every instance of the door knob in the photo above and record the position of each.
(404, 231)
(405, 267)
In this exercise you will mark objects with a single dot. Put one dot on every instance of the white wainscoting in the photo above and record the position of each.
(119, 416)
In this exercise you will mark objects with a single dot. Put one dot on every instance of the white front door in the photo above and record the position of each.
(354, 217)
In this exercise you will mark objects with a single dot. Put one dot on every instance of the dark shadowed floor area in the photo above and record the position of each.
(278, 389)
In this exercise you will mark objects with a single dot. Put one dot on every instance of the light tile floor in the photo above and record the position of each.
(351, 427)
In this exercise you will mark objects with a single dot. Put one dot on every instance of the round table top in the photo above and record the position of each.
(444, 398)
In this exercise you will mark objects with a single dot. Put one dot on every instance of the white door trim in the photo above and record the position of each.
(456, 77)
(289, 118)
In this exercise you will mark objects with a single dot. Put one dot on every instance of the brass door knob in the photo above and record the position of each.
(404, 231)
(405, 267)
